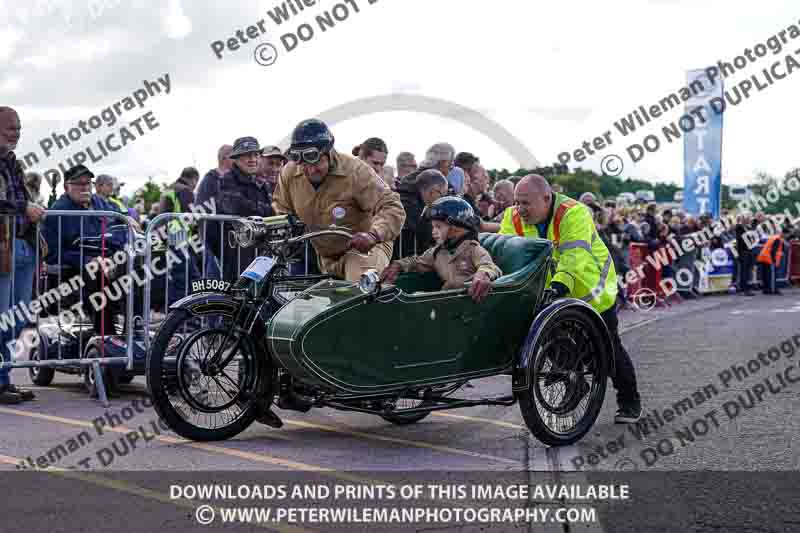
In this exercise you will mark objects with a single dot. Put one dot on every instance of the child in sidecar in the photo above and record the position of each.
(457, 257)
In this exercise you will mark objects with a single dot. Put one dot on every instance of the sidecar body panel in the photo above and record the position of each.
(335, 336)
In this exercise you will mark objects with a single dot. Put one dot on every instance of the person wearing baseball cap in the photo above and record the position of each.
(239, 193)
(272, 161)
(62, 232)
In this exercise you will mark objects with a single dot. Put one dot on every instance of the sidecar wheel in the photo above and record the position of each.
(569, 370)
(184, 393)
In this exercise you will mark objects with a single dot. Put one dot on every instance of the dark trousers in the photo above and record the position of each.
(745, 271)
(103, 318)
(767, 277)
(625, 379)
(182, 274)
(114, 304)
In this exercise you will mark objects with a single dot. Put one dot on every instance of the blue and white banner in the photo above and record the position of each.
(702, 146)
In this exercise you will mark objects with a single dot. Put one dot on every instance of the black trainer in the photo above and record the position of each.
(628, 414)
(9, 398)
(25, 394)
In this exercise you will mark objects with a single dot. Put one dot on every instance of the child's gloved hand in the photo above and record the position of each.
(481, 286)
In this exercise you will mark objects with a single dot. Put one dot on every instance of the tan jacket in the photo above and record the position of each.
(352, 195)
(454, 268)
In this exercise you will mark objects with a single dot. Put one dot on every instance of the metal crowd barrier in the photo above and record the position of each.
(160, 235)
(209, 267)
(794, 269)
(195, 265)
(21, 308)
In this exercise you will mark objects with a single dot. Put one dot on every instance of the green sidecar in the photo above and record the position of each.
(398, 351)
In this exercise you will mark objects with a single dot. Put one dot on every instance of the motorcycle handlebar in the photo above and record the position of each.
(333, 232)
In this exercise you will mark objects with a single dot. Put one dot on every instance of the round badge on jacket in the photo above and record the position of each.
(338, 212)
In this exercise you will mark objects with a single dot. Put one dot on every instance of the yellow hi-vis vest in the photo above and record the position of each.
(583, 263)
(177, 229)
(117, 202)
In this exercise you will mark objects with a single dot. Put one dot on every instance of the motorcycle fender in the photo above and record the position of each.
(206, 302)
(203, 303)
(522, 369)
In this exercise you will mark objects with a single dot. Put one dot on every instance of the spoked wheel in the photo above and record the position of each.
(200, 396)
(569, 369)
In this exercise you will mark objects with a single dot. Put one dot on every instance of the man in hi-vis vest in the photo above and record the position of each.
(585, 269)
(768, 261)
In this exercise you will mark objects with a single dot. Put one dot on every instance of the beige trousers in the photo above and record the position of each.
(353, 264)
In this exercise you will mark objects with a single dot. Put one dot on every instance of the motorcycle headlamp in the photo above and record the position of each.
(245, 234)
(369, 282)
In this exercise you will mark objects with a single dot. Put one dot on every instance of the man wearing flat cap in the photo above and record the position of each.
(239, 193)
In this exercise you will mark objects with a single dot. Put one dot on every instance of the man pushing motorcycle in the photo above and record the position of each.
(584, 270)
(324, 187)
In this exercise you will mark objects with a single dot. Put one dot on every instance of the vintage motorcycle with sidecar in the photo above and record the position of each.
(226, 355)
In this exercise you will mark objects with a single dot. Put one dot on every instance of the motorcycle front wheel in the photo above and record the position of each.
(197, 398)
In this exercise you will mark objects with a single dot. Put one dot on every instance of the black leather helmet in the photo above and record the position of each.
(312, 133)
(455, 211)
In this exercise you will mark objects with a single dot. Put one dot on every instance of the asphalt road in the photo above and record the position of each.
(680, 352)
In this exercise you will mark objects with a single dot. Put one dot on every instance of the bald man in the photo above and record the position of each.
(584, 269)
(19, 221)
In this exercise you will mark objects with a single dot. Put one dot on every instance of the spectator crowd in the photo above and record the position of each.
(244, 182)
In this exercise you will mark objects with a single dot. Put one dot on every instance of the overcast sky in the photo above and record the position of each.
(553, 74)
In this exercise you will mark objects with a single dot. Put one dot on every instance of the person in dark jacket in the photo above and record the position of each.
(210, 264)
(236, 193)
(62, 233)
(745, 257)
(179, 198)
(418, 190)
(19, 237)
